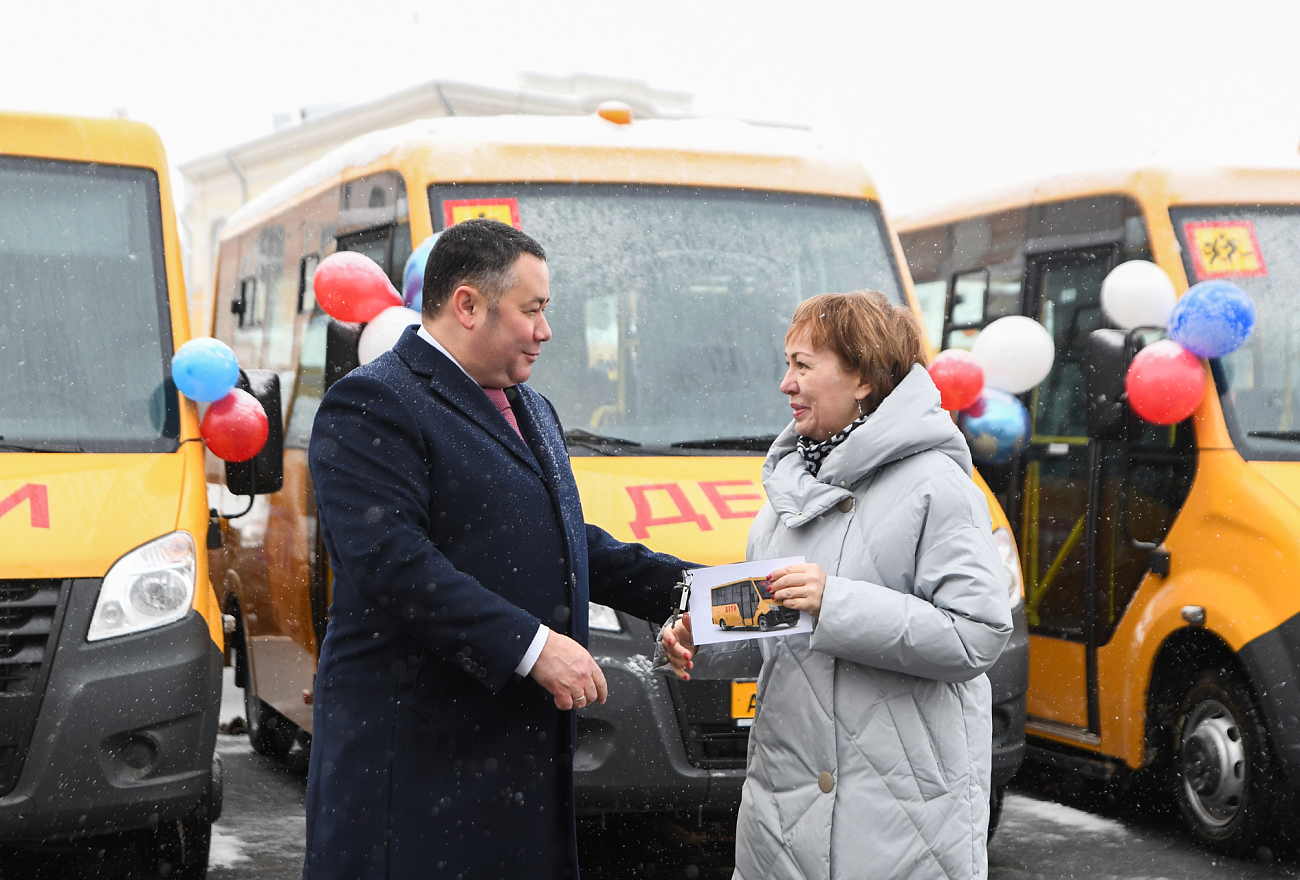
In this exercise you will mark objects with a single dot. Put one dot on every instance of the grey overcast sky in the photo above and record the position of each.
(940, 99)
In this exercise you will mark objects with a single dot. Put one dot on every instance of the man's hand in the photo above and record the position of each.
(679, 646)
(566, 669)
(798, 586)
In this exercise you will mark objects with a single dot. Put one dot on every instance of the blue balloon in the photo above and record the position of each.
(996, 428)
(415, 268)
(205, 369)
(413, 295)
(1212, 319)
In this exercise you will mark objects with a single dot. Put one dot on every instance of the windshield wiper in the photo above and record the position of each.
(756, 443)
(19, 447)
(600, 443)
(1275, 435)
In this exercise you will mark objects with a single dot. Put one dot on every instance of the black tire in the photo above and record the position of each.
(995, 807)
(1222, 764)
(269, 732)
(179, 849)
(763, 623)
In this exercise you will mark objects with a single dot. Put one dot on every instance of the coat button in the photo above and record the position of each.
(826, 783)
(846, 505)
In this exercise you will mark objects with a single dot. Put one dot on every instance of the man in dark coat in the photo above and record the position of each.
(455, 654)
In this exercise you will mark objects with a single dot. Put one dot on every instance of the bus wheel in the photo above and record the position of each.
(269, 732)
(763, 623)
(1221, 764)
(995, 807)
(179, 849)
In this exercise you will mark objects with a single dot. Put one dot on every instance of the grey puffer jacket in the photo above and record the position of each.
(869, 755)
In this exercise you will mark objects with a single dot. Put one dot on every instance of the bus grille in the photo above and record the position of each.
(712, 737)
(29, 618)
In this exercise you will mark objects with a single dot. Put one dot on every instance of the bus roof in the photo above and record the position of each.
(1211, 186)
(579, 149)
(77, 139)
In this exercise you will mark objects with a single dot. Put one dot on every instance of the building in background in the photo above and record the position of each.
(219, 183)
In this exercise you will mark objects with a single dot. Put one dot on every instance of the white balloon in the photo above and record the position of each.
(1016, 352)
(1138, 294)
(381, 333)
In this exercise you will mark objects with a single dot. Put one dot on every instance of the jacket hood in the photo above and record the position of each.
(908, 421)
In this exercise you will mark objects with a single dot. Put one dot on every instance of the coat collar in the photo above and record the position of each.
(908, 421)
(451, 383)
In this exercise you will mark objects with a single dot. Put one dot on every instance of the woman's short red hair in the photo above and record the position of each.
(870, 335)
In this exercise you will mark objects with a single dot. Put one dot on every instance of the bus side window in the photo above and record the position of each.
(306, 278)
(309, 386)
(966, 308)
(932, 296)
(1138, 503)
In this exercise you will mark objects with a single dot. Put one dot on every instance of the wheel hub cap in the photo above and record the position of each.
(1213, 763)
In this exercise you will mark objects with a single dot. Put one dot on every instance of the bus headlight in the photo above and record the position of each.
(603, 618)
(1011, 562)
(151, 586)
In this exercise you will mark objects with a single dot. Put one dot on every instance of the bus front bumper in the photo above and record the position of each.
(1272, 661)
(631, 754)
(1009, 681)
(125, 731)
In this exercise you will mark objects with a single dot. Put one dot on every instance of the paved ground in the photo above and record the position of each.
(1053, 827)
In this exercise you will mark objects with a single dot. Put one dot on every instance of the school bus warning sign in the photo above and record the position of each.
(505, 210)
(1225, 250)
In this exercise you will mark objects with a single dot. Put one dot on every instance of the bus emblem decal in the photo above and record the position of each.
(645, 519)
(38, 498)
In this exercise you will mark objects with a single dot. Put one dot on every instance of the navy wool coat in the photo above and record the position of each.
(450, 540)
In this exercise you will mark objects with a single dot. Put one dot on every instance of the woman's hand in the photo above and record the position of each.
(679, 646)
(798, 586)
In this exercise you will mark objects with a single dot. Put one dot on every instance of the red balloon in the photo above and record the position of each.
(351, 287)
(235, 427)
(959, 377)
(1165, 383)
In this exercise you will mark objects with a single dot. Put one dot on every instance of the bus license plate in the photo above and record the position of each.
(744, 698)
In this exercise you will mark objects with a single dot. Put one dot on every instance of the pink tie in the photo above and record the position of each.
(498, 397)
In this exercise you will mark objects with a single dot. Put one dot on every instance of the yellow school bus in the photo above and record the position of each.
(744, 604)
(678, 251)
(1158, 561)
(110, 633)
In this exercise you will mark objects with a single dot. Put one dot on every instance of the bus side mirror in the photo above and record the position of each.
(341, 343)
(263, 473)
(1105, 370)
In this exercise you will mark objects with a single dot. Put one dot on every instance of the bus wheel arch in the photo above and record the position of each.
(1208, 743)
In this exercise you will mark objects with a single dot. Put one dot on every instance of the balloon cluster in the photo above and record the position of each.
(1165, 382)
(352, 288)
(235, 426)
(1010, 356)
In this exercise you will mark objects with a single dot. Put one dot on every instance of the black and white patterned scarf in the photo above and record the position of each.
(814, 453)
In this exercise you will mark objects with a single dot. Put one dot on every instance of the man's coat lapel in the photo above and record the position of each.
(450, 383)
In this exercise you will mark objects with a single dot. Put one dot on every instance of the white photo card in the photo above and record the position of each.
(730, 603)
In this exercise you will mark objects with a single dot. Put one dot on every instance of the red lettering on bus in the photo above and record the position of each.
(38, 498)
(722, 503)
(645, 520)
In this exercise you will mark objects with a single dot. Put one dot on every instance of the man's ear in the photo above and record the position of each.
(468, 305)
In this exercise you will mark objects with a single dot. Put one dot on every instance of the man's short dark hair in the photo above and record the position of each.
(478, 252)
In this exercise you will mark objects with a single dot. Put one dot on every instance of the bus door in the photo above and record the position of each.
(748, 602)
(1058, 506)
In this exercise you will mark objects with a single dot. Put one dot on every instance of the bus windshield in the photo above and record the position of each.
(670, 304)
(1258, 249)
(85, 333)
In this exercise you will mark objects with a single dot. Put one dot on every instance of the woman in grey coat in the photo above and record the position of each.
(869, 755)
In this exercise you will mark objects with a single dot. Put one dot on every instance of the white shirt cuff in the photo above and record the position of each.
(534, 651)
